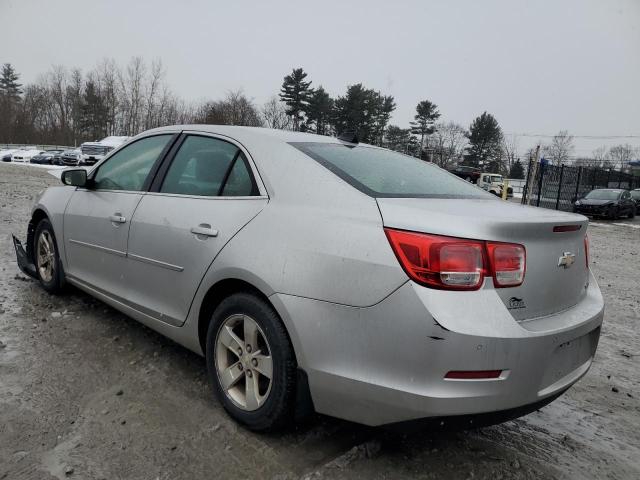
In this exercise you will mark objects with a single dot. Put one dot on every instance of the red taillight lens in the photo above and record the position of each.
(451, 263)
(586, 250)
(508, 264)
(439, 262)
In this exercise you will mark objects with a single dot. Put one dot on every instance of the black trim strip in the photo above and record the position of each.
(161, 173)
(228, 172)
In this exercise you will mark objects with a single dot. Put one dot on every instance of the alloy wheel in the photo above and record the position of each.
(243, 362)
(46, 256)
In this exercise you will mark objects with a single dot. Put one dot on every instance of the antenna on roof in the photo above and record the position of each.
(350, 136)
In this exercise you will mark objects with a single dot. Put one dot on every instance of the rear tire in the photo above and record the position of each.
(248, 395)
(46, 259)
(632, 214)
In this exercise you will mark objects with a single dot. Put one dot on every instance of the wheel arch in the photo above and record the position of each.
(223, 288)
(36, 217)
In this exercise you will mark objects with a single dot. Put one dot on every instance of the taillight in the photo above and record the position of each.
(507, 264)
(439, 262)
(451, 263)
(586, 250)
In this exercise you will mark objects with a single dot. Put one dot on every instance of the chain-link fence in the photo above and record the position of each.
(558, 187)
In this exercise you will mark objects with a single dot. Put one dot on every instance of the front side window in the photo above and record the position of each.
(128, 169)
(206, 166)
(384, 173)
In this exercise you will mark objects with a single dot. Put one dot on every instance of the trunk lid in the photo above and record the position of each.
(548, 287)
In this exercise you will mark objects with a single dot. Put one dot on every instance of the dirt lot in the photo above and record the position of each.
(87, 393)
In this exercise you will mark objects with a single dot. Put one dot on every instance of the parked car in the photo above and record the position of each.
(45, 158)
(606, 202)
(5, 155)
(470, 174)
(493, 183)
(93, 152)
(316, 273)
(71, 158)
(635, 195)
(25, 156)
(57, 158)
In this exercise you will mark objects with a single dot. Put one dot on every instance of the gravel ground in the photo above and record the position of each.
(88, 393)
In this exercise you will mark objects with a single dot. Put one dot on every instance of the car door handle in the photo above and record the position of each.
(117, 218)
(204, 229)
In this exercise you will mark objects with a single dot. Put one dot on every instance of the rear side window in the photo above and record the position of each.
(384, 173)
(206, 166)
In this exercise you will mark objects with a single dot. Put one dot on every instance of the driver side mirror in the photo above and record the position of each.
(76, 177)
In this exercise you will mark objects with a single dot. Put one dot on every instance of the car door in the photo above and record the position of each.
(205, 192)
(627, 202)
(97, 219)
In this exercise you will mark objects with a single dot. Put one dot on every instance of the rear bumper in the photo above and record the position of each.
(90, 159)
(386, 363)
(594, 211)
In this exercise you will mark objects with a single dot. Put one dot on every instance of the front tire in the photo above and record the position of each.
(632, 213)
(251, 362)
(46, 258)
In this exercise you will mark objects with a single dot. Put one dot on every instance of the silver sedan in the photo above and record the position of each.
(319, 274)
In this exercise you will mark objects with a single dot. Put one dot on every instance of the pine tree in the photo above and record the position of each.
(319, 112)
(94, 112)
(485, 138)
(424, 120)
(295, 93)
(517, 170)
(397, 138)
(364, 111)
(9, 86)
(10, 92)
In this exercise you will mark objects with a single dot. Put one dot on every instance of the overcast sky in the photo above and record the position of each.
(538, 66)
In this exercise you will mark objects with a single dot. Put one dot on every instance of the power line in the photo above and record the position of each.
(596, 137)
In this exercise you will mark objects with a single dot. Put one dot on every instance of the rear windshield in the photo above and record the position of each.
(603, 195)
(384, 173)
(635, 194)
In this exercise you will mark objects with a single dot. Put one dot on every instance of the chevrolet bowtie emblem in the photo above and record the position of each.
(566, 260)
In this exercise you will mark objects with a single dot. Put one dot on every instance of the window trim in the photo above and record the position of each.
(258, 185)
(152, 172)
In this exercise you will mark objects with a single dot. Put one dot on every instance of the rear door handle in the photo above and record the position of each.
(117, 218)
(204, 229)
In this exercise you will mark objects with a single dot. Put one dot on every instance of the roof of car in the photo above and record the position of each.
(243, 132)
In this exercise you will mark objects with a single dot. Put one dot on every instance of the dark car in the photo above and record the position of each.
(57, 158)
(635, 196)
(470, 174)
(606, 202)
(71, 158)
(45, 158)
(7, 157)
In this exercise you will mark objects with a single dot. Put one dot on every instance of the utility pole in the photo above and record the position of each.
(532, 175)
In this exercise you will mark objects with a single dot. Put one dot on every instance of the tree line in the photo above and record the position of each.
(66, 107)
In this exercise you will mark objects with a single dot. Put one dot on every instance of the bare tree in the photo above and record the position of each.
(131, 95)
(560, 148)
(154, 86)
(621, 155)
(275, 115)
(448, 142)
(234, 109)
(510, 146)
